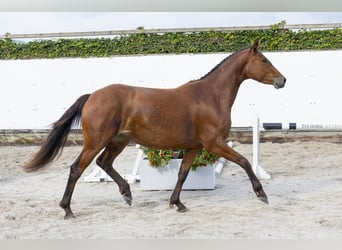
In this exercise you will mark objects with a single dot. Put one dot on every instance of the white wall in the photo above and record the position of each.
(35, 93)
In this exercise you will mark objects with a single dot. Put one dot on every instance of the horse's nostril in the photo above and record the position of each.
(284, 80)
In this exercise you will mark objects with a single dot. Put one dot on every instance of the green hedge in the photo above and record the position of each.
(197, 42)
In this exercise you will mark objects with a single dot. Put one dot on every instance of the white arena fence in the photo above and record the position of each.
(35, 93)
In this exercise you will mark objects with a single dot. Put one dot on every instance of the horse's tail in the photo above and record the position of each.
(57, 136)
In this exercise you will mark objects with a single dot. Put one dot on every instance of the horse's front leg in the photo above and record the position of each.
(223, 150)
(187, 161)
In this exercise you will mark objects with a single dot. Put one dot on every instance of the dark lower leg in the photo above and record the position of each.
(231, 155)
(65, 202)
(76, 170)
(105, 161)
(257, 187)
(174, 199)
(122, 183)
(188, 159)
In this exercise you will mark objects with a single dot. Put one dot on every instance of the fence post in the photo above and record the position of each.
(257, 169)
(134, 176)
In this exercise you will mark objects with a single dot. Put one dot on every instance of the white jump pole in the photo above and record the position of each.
(98, 175)
(301, 126)
(257, 169)
(133, 177)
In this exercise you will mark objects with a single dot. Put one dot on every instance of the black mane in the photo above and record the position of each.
(218, 65)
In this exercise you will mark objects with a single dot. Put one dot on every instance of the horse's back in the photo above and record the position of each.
(146, 115)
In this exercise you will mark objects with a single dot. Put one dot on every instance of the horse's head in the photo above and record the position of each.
(259, 68)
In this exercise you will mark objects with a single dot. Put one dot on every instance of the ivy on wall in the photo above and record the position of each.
(273, 39)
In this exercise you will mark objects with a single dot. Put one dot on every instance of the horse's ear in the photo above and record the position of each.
(256, 45)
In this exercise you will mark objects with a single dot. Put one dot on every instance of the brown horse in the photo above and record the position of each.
(193, 116)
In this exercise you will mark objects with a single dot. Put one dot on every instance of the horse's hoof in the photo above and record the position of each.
(182, 209)
(128, 200)
(263, 199)
(69, 216)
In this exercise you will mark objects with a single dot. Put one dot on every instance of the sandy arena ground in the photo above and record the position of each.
(305, 195)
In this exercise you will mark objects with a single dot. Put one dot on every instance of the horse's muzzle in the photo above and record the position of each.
(279, 82)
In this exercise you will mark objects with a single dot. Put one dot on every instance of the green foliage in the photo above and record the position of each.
(204, 158)
(274, 39)
(160, 158)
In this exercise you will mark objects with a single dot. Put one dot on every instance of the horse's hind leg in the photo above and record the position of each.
(105, 161)
(76, 170)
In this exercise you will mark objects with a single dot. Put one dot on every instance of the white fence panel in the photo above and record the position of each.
(34, 93)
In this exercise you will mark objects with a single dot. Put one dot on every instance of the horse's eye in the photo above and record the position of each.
(264, 60)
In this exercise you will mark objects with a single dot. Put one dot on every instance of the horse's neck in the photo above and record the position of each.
(227, 78)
